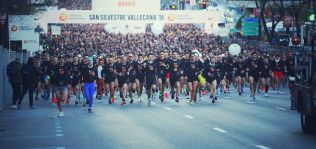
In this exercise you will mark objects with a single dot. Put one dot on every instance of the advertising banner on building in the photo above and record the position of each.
(23, 28)
(84, 16)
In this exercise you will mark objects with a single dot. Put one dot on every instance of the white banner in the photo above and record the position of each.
(125, 28)
(84, 16)
(55, 29)
(23, 28)
(126, 5)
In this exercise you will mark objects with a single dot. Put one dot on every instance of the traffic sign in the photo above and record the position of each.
(250, 26)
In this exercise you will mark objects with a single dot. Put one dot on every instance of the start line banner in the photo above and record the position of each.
(88, 16)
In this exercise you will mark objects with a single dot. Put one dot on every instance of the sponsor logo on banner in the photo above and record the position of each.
(171, 17)
(14, 28)
(63, 17)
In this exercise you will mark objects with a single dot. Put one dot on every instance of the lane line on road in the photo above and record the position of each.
(262, 147)
(188, 116)
(280, 108)
(57, 127)
(50, 148)
(220, 130)
(251, 102)
(167, 108)
(59, 131)
(59, 135)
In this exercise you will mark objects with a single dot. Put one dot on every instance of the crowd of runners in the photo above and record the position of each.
(85, 60)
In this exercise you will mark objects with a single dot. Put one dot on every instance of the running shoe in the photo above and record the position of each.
(90, 110)
(149, 103)
(254, 98)
(177, 99)
(213, 101)
(123, 102)
(61, 114)
(266, 95)
(215, 98)
(113, 100)
(110, 102)
(13, 107)
(131, 101)
(192, 103)
(239, 93)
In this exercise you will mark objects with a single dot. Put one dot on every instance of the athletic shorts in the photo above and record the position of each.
(278, 74)
(162, 77)
(255, 76)
(192, 78)
(150, 81)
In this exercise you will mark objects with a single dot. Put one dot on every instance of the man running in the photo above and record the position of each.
(210, 74)
(192, 72)
(140, 76)
(89, 77)
(175, 73)
(122, 78)
(151, 71)
(253, 73)
(265, 71)
(62, 80)
(109, 73)
(161, 74)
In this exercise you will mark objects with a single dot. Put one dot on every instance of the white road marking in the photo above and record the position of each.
(57, 127)
(169, 109)
(251, 102)
(280, 108)
(227, 97)
(50, 148)
(188, 116)
(59, 135)
(59, 131)
(262, 147)
(220, 130)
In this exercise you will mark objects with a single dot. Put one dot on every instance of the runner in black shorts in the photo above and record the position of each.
(253, 73)
(240, 73)
(210, 74)
(131, 76)
(151, 71)
(109, 73)
(122, 78)
(265, 72)
(140, 76)
(192, 72)
(175, 73)
(75, 81)
(161, 74)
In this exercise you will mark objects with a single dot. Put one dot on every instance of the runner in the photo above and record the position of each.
(192, 72)
(175, 73)
(161, 74)
(62, 80)
(122, 78)
(109, 74)
(265, 73)
(89, 77)
(76, 74)
(277, 69)
(253, 74)
(140, 76)
(210, 74)
(240, 73)
(131, 76)
(151, 71)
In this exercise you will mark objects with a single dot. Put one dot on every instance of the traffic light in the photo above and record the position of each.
(311, 17)
(173, 7)
(204, 4)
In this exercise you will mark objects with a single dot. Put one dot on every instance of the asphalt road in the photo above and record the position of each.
(232, 122)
